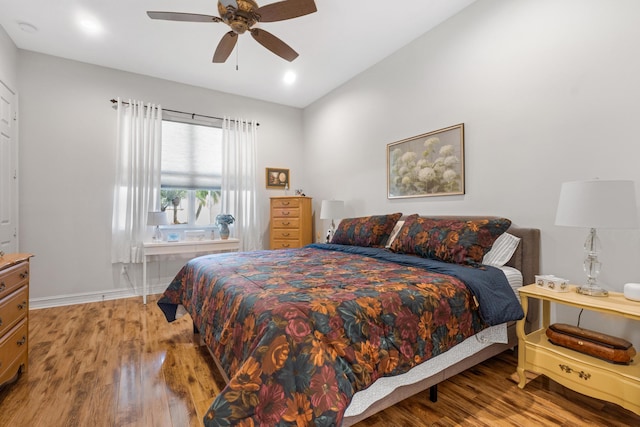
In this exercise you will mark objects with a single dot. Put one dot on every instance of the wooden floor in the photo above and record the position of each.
(119, 363)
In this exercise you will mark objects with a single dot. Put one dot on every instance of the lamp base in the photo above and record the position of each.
(594, 291)
(157, 236)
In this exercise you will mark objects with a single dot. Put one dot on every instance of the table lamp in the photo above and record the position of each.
(596, 204)
(331, 209)
(157, 219)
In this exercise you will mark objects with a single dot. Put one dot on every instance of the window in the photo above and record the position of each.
(191, 172)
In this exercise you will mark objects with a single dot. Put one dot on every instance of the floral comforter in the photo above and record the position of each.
(299, 331)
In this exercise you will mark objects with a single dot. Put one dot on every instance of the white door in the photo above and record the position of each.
(8, 172)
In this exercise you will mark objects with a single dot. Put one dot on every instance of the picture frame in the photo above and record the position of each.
(427, 165)
(277, 178)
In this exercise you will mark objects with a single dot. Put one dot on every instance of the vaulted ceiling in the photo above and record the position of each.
(339, 41)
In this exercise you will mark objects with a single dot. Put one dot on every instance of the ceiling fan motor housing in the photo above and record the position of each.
(240, 19)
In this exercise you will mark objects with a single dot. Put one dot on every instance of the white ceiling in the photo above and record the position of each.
(340, 40)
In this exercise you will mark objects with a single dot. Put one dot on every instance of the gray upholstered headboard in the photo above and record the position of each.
(527, 257)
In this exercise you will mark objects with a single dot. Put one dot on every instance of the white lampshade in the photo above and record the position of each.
(157, 218)
(332, 209)
(597, 204)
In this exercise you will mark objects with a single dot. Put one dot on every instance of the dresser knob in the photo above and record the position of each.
(285, 234)
(22, 306)
(286, 213)
(285, 245)
(0, 321)
(22, 341)
(24, 274)
(2, 286)
(284, 223)
(285, 203)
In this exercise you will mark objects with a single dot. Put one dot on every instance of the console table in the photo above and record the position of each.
(183, 247)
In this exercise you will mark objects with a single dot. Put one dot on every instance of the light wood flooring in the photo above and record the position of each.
(119, 363)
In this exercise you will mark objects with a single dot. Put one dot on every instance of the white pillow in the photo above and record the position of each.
(502, 250)
(394, 233)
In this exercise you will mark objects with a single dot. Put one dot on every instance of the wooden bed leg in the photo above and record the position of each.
(433, 393)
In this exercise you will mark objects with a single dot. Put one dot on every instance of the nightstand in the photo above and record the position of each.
(585, 374)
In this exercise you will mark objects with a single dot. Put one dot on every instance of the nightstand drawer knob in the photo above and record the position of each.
(23, 341)
(22, 306)
(24, 274)
(2, 286)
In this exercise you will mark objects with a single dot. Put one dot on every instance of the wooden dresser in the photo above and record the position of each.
(290, 222)
(14, 315)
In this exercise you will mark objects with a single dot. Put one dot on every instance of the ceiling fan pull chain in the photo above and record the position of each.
(237, 54)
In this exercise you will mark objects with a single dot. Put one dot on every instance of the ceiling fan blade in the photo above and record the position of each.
(274, 44)
(286, 9)
(225, 47)
(185, 17)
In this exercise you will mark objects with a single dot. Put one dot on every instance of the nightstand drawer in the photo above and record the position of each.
(575, 371)
(13, 308)
(13, 351)
(12, 278)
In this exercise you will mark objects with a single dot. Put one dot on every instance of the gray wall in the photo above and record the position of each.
(67, 139)
(548, 92)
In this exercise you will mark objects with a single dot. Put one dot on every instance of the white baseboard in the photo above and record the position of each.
(86, 297)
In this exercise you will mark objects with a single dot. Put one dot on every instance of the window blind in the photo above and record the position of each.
(191, 156)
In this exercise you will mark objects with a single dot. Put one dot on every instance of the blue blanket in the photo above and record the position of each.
(497, 302)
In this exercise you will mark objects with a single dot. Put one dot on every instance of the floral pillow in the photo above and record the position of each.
(367, 231)
(451, 240)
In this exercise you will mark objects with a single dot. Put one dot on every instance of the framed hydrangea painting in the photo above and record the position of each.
(431, 164)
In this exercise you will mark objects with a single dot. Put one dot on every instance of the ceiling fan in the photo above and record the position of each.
(241, 16)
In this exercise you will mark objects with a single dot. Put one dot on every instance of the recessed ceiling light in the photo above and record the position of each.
(289, 77)
(88, 23)
(90, 26)
(27, 27)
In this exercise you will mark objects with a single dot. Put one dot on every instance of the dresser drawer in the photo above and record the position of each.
(13, 351)
(285, 203)
(285, 212)
(293, 223)
(12, 278)
(284, 244)
(13, 308)
(286, 234)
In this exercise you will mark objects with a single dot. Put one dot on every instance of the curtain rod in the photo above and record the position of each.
(193, 115)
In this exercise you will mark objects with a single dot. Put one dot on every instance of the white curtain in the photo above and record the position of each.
(137, 186)
(238, 195)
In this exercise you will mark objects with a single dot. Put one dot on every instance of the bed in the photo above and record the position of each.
(329, 334)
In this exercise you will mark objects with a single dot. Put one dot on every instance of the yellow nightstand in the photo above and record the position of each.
(585, 374)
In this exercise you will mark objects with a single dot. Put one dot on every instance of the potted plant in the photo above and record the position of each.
(223, 221)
